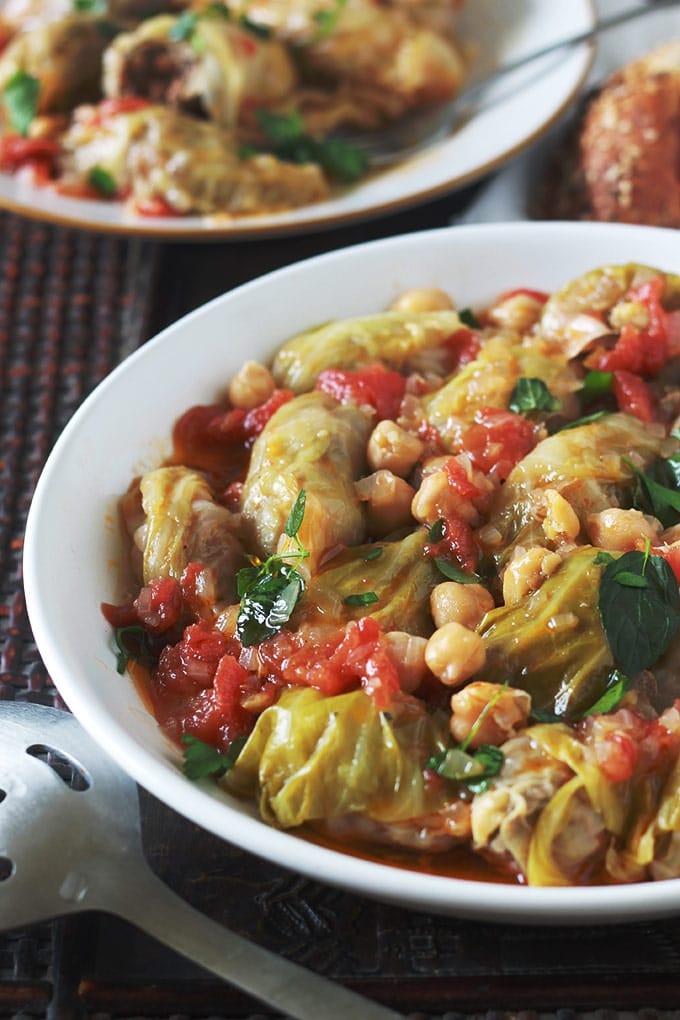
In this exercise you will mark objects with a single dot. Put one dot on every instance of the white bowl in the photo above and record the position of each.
(124, 426)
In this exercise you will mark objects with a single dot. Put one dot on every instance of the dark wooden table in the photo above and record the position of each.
(72, 305)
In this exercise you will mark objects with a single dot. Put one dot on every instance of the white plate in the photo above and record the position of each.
(123, 427)
(501, 31)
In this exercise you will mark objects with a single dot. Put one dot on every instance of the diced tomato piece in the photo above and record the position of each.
(671, 553)
(464, 346)
(536, 295)
(355, 656)
(38, 153)
(641, 351)
(159, 604)
(209, 437)
(497, 440)
(247, 45)
(122, 104)
(192, 662)
(457, 544)
(459, 481)
(375, 385)
(633, 395)
(256, 419)
(215, 714)
(155, 208)
(123, 615)
(617, 755)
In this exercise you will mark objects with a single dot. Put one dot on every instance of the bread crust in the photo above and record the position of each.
(630, 143)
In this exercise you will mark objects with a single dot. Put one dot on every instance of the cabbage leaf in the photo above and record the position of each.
(313, 757)
(394, 339)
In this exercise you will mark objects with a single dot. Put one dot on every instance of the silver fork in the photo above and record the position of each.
(422, 128)
(70, 841)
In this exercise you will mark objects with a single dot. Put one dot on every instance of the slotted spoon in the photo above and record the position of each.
(422, 128)
(70, 841)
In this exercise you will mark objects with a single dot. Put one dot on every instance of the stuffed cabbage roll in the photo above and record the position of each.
(65, 56)
(584, 464)
(383, 60)
(395, 339)
(311, 443)
(184, 524)
(565, 668)
(216, 70)
(489, 379)
(592, 825)
(159, 156)
(592, 304)
(369, 63)
(312, 757)
(401, 577)
(27, 14)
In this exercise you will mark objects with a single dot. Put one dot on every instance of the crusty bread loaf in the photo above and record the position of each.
(630, 143)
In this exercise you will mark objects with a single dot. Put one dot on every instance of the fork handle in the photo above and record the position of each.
(145, 901)
(571, 40)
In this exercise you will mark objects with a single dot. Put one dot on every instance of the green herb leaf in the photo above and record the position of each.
(617, 685)
(475, 770)
(102, 181)
(269, 596)
(327, 20)
(340, 159)
(454, 573)
(132, 642)
(260, 31)
(639, 622)
(653, 496)
(281, 128)
(530, 394)
(596, 385)
(184, 27)
(436, 532)
(90, 6)
(202, 760)
(270, 591)
(631, 580)
(586, 419)
(366, 598)
(374, 553)
(296, 515)
(20, 97)
(469, 319)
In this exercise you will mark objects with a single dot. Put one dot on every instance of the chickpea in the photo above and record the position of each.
(520, 312)
(252, 385)
(561, 521)
(454, 653)
(423, 299)
(526, 572)
(621, 529)
(392, 447)
(466, 604)
(436, 498)
(407, 652)
(508, 713)
(632, 313)
(388, 501)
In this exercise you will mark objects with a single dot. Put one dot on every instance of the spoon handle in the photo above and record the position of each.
(145, 901)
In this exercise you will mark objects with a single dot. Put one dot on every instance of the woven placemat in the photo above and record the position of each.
(72, 305)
